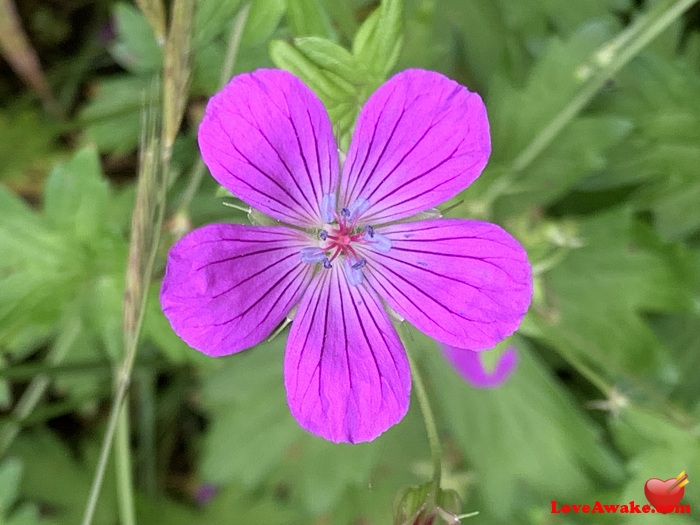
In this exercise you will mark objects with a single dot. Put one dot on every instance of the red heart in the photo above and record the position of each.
(660, 496)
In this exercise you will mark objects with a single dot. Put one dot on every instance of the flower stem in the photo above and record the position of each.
(430, 426)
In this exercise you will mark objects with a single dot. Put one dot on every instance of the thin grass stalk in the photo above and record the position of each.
(234, 42)
(604, 64)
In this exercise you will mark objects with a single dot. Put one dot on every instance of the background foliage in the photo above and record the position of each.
(595, 168)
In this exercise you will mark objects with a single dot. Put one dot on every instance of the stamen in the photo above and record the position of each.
(328, 203)
(370, 231)
(360, 264)
(323, 235)
(357, 208)
(312, 255)
(379, 242)
(327, 264)
(345, 213)
(353, 275)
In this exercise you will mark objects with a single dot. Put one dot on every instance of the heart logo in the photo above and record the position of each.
(664, 495)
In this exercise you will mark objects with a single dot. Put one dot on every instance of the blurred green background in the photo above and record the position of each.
(595, 114)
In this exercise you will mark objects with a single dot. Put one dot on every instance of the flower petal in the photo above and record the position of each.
(345, 369)
(227, 286)
(468, 364)
(464, 283)
(268, 139)
(420, 139)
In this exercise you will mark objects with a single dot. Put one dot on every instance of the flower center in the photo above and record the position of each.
(342, 238)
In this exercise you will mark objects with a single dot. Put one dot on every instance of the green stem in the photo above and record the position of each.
(147, 442)
(430, 426)
(136, 296)
(122, 457)
(608, 60)
(234, 43)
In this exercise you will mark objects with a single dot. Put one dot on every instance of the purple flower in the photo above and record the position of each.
(420, 139)
(468, 364)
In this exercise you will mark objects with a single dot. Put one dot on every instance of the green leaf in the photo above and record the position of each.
(10, 475)
(657, 448)
(377, 43)
(327, 86)
(517, 114)
(659, 97)
(263, 19)
(596, 295)
(526, 437)
(581, 150)
(112, 118)
(307, 18)
(25, 141)
(76, 196)
(67, 498)
(211, 19)
(136, 48)
(333, 58)
(10, 483)
(253, 507)
(246, 398)
(321, 65)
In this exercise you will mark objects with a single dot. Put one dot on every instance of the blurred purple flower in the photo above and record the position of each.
(205, 493)
(420, 139)
(468, 364)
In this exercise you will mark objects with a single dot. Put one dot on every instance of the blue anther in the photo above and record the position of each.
(370, 231)
(353, 273)
(379, 242)
(323, 235)
(312, 255)
(359, 264)
(326, 263)
(345, 212)
(357, 208)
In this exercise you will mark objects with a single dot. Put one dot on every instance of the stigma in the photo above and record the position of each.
(343, 239)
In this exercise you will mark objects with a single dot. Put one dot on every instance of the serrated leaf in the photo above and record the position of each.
(597, 293)
(253, 507)
(326, 470)
(246, 397)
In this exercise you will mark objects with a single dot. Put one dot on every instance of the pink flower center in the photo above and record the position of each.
(339, 238)
(343, 238)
